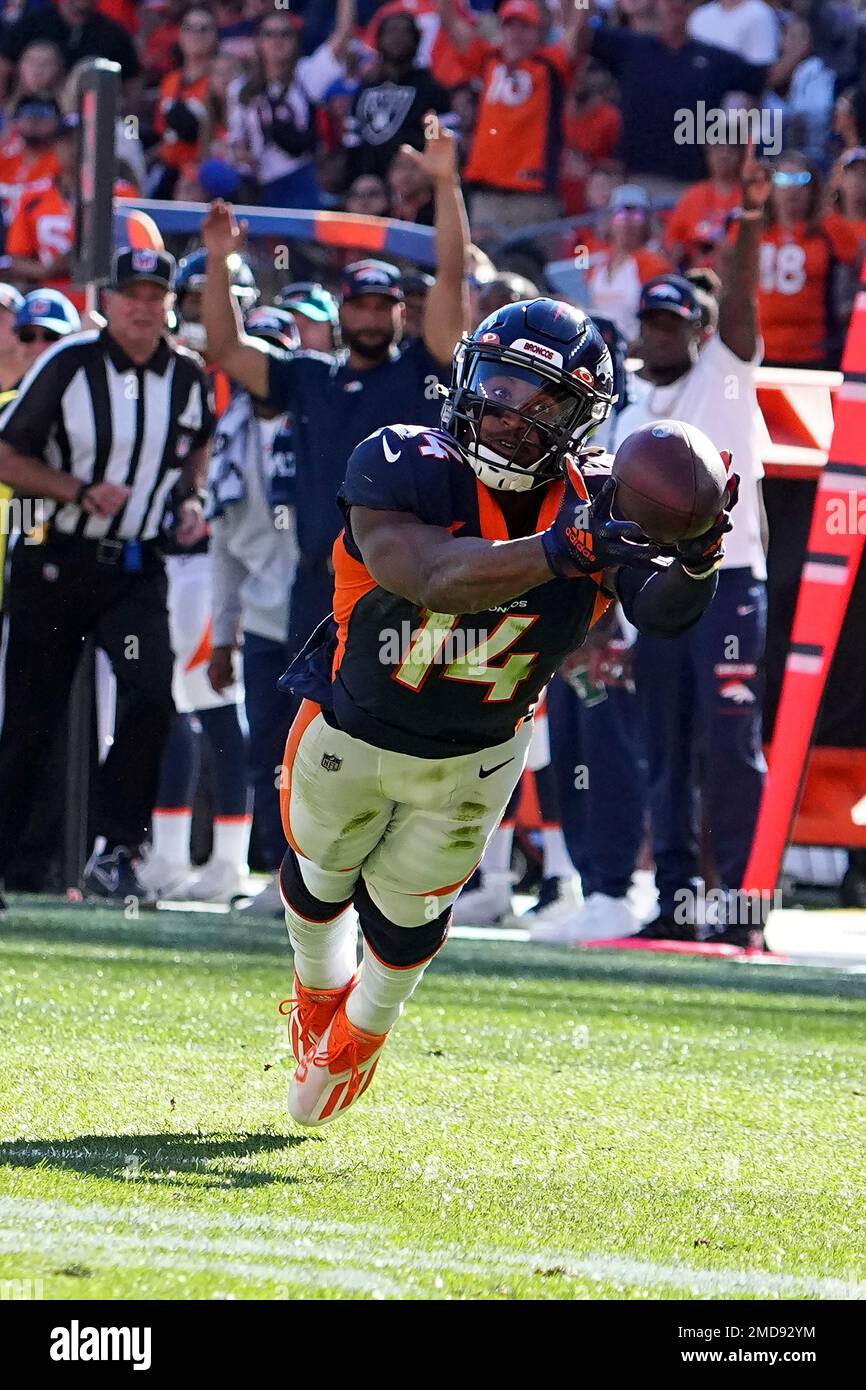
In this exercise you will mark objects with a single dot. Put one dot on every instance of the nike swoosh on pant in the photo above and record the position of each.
(489, 771)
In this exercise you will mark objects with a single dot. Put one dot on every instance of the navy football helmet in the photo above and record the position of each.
(276, 326)
(192, 270)
(528, 386)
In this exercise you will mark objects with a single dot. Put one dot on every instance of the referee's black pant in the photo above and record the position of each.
(58, 593)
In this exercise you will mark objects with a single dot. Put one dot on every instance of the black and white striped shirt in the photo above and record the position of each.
(87, 409)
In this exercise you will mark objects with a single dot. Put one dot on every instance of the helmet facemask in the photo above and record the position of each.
(514, 421)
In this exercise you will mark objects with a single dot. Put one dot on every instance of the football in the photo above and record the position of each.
(670, 479)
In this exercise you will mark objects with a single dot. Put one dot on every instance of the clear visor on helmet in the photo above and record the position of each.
(518, 390)
(522, 418)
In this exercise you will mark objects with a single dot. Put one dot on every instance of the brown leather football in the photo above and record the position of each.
(670, 479)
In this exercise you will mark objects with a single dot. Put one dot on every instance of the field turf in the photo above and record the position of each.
(545, 1123)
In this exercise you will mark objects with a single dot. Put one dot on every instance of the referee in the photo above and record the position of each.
(109, 428)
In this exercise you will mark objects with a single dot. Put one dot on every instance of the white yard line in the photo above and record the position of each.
(76, 1248)
(324, 1252)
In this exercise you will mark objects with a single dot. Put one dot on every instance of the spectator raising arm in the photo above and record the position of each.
(461, 33)
(345, 24)
(738, 302)
(578, 28)
(446, 311)
(243, 359)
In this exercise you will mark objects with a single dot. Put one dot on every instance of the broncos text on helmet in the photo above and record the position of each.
(528, 386)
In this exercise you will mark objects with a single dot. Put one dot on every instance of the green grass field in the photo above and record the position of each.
(545, 1123)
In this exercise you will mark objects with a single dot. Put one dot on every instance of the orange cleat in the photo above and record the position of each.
(334, 1073)
(309, 1012)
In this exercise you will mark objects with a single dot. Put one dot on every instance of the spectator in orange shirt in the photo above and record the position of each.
(800, 255)
(40, 238)
(28, 163)
(182, 105)
(698, 225)
(591, 127)
(516, 150)
(614, 283)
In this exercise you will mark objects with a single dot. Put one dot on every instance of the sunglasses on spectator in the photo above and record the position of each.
(203, 28)
(37, 335)
(284, 32)
(792, 178)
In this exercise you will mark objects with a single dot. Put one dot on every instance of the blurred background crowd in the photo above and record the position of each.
(580, 178)
(307, 104)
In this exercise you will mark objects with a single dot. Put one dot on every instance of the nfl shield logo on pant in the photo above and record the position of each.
(331, 763)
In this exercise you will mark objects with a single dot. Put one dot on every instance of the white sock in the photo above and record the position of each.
(171, 834)
(377, 1000)
(231, 839)
(326, 953)
(497, 856)
(557, 862)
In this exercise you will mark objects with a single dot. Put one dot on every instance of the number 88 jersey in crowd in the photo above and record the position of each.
(431, 684)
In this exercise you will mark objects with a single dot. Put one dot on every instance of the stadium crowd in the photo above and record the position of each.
(607, 154)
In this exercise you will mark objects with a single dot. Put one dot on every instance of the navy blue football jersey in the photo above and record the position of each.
(433, 684)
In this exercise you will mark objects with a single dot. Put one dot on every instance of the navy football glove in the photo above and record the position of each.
(585, 538)
(703, 555)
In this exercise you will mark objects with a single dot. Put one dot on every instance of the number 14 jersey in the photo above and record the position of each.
(441, 684)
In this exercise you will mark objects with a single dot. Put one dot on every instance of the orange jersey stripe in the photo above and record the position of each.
(352, 581)
(302, 721)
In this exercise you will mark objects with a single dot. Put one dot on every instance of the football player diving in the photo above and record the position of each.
(474, 558)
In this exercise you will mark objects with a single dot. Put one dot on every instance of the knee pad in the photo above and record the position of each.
(396, 946)
(298, 896)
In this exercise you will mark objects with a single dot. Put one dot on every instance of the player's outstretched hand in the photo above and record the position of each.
(703, 555)
(220, 233)
(585, 538)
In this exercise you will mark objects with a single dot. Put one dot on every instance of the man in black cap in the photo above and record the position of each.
(109, 428)
(375, 380)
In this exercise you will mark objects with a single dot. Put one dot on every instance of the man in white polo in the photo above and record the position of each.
(702, 692)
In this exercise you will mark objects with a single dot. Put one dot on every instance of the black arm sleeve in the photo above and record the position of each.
(667, 602)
